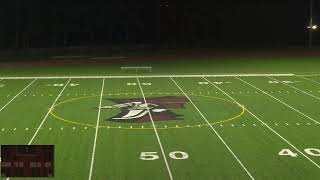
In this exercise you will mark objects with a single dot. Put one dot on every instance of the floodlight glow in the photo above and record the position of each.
(313, 27)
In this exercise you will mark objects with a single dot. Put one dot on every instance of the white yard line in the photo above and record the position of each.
(304, 92)
(149, 76)
(275, 132)
(96, 134)
(301, 113)
(35, 134)
(46, 116)
(17, 95)
(156, 132)
(213, 129)
(308, 79)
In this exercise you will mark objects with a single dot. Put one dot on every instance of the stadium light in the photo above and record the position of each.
(313, 27)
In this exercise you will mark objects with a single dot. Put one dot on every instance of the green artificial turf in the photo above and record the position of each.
(228, 127)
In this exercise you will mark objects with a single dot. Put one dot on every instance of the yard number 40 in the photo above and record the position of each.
(149, 156)
(310, 151)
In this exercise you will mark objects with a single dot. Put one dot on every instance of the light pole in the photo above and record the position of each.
(312, 27)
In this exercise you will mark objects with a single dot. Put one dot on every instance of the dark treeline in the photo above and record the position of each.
(44, 23)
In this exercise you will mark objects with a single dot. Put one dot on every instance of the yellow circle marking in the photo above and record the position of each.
(147, 128)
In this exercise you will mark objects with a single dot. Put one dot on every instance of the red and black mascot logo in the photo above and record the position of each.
(136, 110)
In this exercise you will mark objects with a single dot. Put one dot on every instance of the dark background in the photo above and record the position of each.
(61, 23)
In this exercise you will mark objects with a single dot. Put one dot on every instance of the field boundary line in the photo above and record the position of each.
(96, 133)
(46, 116)
(214, 130)
(155, 131)
(266, 125)
(310, 75)
(149, 76)
(304, 92)
(17, 94)
(292, 108)
(308, 79)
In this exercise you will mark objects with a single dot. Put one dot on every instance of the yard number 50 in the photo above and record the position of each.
(149, 156)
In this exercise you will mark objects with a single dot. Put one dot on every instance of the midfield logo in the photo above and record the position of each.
(136, 110)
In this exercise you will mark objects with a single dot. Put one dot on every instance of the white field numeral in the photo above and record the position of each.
(131, 84)
(2, 85)
(73, 84)
(309, 151)
(313, 151)
(150, 156)
(144, 84)
(287, 152)
(178, 155)
(60, 85)
(285, 82)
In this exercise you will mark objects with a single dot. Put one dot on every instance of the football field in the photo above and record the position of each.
(168, 127)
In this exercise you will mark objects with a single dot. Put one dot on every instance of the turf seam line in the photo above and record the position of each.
(214, 130)
(275, 132)
(292, 108)
(52, 106)
(155, 131)
(148, 76)
(17, 95)
(304, 92)
(96, 132)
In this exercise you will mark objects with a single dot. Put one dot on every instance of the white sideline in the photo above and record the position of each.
(17, 95)
(44, 119)
(148, 76)
(301, 113)
(155, 131)
(217, 134)
(310, 75)
(96, 133)
(304, 92)
(308, 79)
(275, 132)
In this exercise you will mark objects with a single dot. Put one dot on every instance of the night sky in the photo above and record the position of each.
(43, 23)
